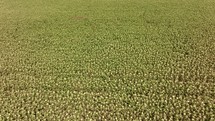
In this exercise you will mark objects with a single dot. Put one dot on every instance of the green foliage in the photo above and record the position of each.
(107, 59)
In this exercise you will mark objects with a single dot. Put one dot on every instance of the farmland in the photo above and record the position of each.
(107, 60)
